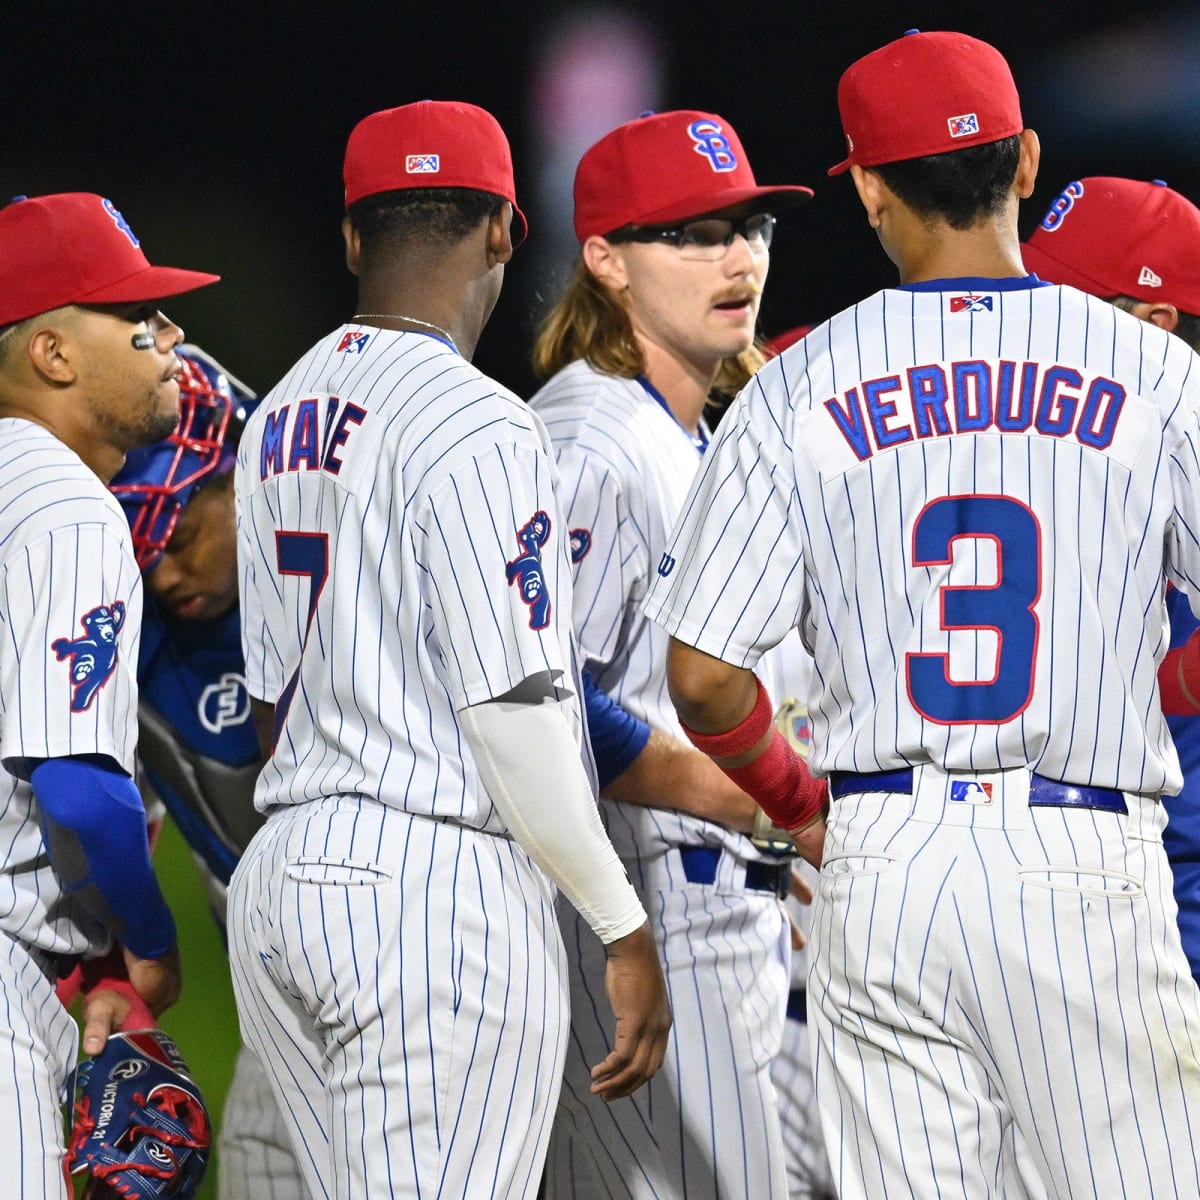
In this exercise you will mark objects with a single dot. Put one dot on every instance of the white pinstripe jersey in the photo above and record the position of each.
(68, 578)
(401, 557)
(963, 494)
(625, 466)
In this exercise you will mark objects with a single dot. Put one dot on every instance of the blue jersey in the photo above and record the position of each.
(197, 743)
(1182, 834)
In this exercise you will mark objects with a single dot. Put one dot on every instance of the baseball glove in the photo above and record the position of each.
(140, 1128)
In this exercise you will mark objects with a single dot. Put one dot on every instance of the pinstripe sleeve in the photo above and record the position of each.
(610, 559)
(1182, 432)
(730, 581)
(495, 577)
(72, 612)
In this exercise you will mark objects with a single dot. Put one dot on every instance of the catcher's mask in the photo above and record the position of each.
(140, 1128)
(157, 481)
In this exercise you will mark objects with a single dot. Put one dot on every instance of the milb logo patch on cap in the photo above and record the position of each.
(422, 164)
(965, 126)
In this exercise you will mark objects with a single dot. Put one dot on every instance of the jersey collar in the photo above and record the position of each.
(975, 283)
(699, 439)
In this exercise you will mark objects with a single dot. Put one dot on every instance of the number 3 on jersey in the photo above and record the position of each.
(1005, 607)
(304, 554)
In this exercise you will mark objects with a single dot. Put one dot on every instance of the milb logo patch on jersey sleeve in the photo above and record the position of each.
(93, 656)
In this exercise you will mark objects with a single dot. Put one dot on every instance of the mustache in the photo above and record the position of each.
(744, 291)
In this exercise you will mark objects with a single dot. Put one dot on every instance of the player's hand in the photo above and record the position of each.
(811, 841)
(155, 983)
(638, 995)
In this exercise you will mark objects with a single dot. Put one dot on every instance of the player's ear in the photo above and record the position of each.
(871, 191)
(1027, 164)
(499, 235)
(51, 354)
(353, 241)
(1165, 316)
(606, 263)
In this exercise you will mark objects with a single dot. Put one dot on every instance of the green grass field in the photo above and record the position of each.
(204, 1022)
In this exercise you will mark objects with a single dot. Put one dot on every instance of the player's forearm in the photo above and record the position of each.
(530, 766)
(709, 695)
(94, 824)
(744, 742)
(671, 774)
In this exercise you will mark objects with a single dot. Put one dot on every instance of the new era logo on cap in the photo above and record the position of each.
(1147, 278)
(422, 164)
(965, 126)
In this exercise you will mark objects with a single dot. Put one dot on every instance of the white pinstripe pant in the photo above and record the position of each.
(994, 987)
(403, 982)
(38, 1047)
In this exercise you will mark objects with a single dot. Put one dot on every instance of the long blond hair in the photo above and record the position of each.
(590, 322)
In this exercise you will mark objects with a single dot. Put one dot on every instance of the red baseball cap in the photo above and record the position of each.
(1120, 237)
(430, 144)
(76, 248)
(925, 93)
(666, 167)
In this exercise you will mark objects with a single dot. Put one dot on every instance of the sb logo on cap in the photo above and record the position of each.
(710, 140)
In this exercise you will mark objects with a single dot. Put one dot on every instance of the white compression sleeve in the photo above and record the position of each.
(546, 801)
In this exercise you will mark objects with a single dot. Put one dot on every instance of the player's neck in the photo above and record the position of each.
(684, 385)
(987, 251)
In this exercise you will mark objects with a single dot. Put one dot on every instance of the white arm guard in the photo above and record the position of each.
(546, 801)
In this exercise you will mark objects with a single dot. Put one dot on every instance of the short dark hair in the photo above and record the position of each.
(429, 215)
(963, 187)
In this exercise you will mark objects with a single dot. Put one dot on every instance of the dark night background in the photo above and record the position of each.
(219, 134)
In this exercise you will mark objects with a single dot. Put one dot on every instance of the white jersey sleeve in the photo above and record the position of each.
(609, 554)
(491, 553)
(70, 622)
(738, 542)
(71, 603)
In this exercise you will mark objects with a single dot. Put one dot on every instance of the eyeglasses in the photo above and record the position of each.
(706, 240)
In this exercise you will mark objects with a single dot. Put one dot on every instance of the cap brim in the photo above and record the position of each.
(839, 168)
(148, 284)
(1047, 267)
(682, 210)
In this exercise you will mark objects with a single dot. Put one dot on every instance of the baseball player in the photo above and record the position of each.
(967, 492)
(197, 747)
(675, 235)
(1137, 245)
(406, 598)
(87, 372)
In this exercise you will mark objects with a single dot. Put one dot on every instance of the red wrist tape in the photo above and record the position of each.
(779, 782)
(1179, 679)
(743, 736)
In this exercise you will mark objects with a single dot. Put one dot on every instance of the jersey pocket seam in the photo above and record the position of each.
(1107, 885)
(335, 872)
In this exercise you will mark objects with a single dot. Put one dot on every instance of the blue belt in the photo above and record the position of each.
(1043, 792)
(797, 1008)
(700, 866)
